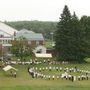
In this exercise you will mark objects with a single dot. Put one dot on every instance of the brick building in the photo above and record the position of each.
(33, 39)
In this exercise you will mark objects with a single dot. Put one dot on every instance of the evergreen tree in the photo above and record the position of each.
(79, 51)
(85, 22)
(68, 37)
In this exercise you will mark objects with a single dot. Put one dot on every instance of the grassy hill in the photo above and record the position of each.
(24, 81)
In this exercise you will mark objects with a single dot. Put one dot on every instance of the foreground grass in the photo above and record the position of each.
(25, 82)
(44, 88)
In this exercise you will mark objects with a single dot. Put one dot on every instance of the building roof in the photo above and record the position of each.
(6, 30)
(29, 35)
(45, 55)
(24, 31)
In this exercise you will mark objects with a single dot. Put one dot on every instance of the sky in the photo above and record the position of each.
(42, 10)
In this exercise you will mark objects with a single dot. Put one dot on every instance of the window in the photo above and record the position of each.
(29, 42)
(37, 42)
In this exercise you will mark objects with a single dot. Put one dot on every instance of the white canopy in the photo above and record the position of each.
(44, 55)
(8, 67)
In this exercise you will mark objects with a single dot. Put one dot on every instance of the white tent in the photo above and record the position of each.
(8, 67)
(44, 55)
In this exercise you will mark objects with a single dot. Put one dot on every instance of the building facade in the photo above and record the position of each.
(6, 37)
(33, 39)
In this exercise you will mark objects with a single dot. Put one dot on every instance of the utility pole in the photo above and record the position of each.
(51, 38)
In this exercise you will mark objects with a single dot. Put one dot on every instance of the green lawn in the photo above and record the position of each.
(25, 82)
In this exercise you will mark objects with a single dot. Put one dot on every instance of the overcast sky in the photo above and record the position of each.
(43, 10)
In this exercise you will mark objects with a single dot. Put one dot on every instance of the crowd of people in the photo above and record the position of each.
(65, 73)
(34, 61)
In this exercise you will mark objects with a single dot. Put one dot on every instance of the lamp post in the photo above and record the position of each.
(51, 38)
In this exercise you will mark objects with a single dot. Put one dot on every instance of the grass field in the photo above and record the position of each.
(23, 81)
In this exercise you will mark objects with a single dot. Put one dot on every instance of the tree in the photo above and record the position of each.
(85, 22)
(79, 51)
(1, 51)
(68, 38)
(21, 48)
